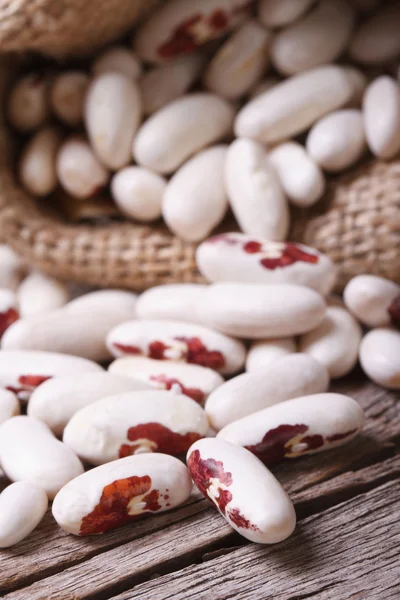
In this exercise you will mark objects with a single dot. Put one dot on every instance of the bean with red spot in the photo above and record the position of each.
(120, 492)
(300, 426)
(30, 452)
(285, 378)
(238, 257)
(8, 310)
(135, 423)
(177, 341)
(192, 380)
(179, 27)
(245, 493)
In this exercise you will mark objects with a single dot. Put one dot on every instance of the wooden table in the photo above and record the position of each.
(346, 545)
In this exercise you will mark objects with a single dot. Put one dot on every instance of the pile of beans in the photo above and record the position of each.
(127, 385)
(217, 105)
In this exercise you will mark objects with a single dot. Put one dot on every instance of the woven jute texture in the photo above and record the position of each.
(65, 27)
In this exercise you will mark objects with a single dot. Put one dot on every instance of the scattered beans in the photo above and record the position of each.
(195, 200)
(118, 59)
(28, 105)
(245, 493)
(181, 128)
(264, 352)
(179, 341)
(113, 110)
(57, 400)
(51, 463)
(369, 298)
(257, 311)
(381, 108)
(22, 507)
(179, 27)
(192, 380)
(8, 310)
(335, 342)
(67, 96)
(255, 193)
(300, 177)
(79, 328)
(380, 357)
(293, 105)
(138, 193)
(118, 493)
(39, 293)
(376, 40)
(9, 406)
(337, 141)
(176, 302)
(78, 170)
(166, 83)
(236, 257)
(278, 13)
(135, 423)
(37, 168)
(240, 62)
(305, 425)
(283, 379)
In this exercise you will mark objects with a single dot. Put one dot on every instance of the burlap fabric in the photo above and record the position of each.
(357, 224)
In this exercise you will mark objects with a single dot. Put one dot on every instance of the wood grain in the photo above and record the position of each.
(348, 552)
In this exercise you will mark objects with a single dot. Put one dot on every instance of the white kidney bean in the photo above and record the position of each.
(380, 357)
(75, 329)
(166, 83)
(381, 108)
(22, 507)
(113, 110)
(21, 371)
(37, 168)
(9, 405)
(264, 352)
(179, 27)
(118, 59)
(58, 399)
(263, 86)
(337, 141)
(30, 452)
(138, 193)
(317, 39)
(254, 311)
(370, 298)
(195, 199)
(9, 312)
(304, 425)
(182, 128)
(40, 293)
(240, 62)
(246, 494)
(377, 41)
(67, 96)
(255, 193)
(135, 423)
(192, 380)
(79, 171)
(293, 105)
(237, 257)
(335, 342)
(28, 103)
(301, 178)
(284, 378)
(11, 268)
(178, 341)
(104, 300)
(117, 493)
(176, 301)
(278, 13)
(359, 83)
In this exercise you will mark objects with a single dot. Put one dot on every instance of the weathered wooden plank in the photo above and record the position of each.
(49, 550)
(181, 543)
(349, 552)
